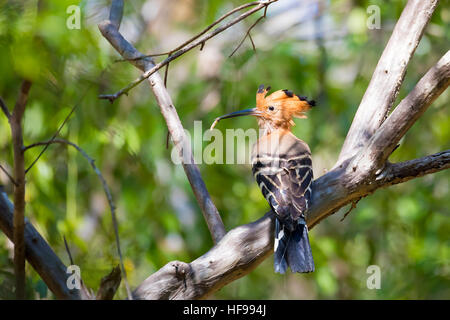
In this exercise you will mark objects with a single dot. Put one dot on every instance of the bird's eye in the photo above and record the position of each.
(271, 108)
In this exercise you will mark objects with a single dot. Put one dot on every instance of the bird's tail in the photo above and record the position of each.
(292, 249)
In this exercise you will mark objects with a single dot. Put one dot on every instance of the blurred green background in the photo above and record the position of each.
(321, 49)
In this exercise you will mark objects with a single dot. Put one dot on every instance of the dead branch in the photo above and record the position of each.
(237, 9)
(388, 75)
(245, 247)
(352, 178)
(175, 55)
(385, 140)
(239, 252)
(38, 253)
(247, 34)
(176, 130)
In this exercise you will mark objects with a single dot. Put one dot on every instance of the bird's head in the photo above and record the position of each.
(275, 111)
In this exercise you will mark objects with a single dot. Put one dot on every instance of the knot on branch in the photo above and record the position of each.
(181, 269)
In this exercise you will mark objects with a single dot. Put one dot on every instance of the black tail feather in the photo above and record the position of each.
(292, 249)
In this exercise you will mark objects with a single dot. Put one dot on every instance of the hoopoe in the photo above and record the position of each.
(282, 167)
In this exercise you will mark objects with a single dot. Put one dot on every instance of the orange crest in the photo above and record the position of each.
(282, 105)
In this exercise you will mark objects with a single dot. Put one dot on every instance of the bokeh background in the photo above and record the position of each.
(321, 49)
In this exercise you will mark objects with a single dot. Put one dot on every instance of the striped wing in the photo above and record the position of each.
(286, 185)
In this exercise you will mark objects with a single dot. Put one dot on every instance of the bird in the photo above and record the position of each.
(282, 167)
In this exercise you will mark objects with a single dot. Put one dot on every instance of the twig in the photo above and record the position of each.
(58, 131)
(9, 176)
(251, 40)
(177, 54)
(19, 189)
(68, 250)
(85, 292)
(107, 192)
(167, 139)
(242, 7)
(4, 108)
(247, 34)
(166, 73)
(353, 206)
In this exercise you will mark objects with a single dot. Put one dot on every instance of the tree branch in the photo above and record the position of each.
(19, 189)
(4, 108)
(107, 193)
(116, 13)
(388, 75)
(212, 217)
(237, 9)
(383, 143)
(38, 253)
(247, 34)
(245, 247)
(407, 170)
(148, 72)
(228, 260)
(66, 119)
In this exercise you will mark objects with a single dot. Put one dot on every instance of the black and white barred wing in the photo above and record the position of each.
(286, 185)
(299, 177)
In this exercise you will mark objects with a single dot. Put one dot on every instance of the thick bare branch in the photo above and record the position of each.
(245, 247)
(341, 186)
(381, 145)
(212, 217)
(38, 253)
(403, 171)
(388, 75)
(238, 253)
(353, 178)
(19, 188)
(116, 12)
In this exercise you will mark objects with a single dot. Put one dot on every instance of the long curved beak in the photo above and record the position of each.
(246, 112)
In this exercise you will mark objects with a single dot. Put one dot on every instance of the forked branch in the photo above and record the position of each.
(176, 130)
(388, 75)
(194, 42)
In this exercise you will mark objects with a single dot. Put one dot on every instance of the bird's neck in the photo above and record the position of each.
(268, 127)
